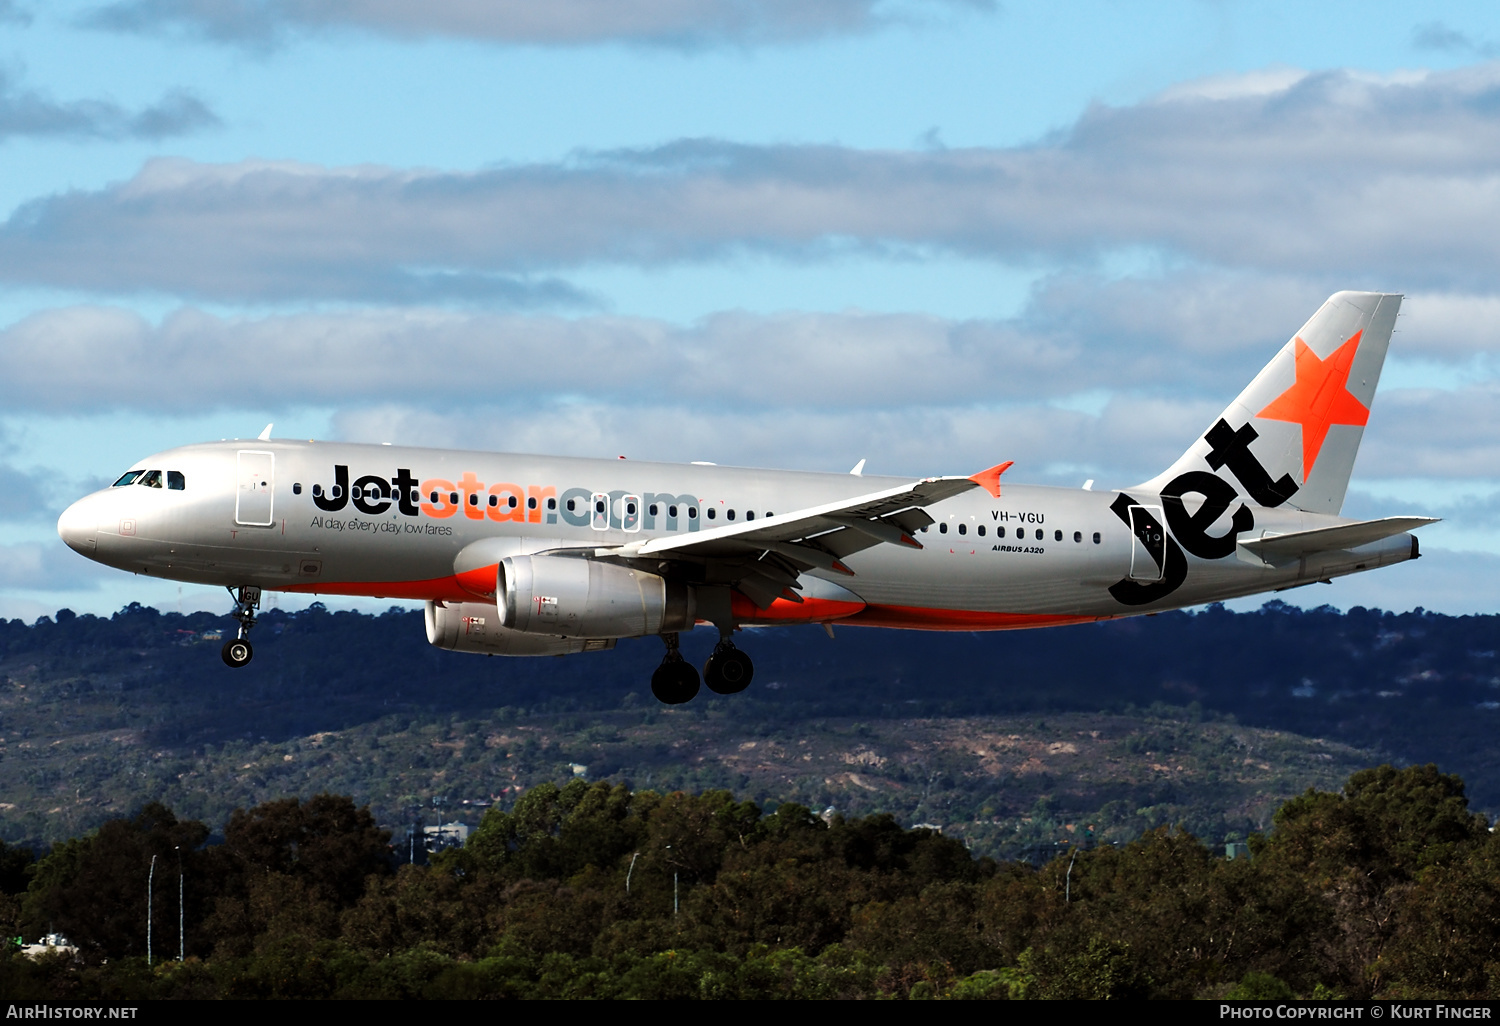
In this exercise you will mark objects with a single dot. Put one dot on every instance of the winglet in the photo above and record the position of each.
(989, 480)
(265, 436)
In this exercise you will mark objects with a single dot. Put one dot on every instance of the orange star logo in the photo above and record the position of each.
(1320, 398)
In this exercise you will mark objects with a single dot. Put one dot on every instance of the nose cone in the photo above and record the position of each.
(79, 527)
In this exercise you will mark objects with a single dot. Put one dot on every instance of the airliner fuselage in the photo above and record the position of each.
(530, 555)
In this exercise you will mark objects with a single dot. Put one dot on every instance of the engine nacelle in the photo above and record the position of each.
(584, 598)
(476, 627)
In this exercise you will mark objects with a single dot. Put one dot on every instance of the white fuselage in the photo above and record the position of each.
(423, 524)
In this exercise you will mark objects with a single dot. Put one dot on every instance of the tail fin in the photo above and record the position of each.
(1292, 435)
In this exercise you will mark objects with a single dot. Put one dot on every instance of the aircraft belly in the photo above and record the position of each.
(984, 582)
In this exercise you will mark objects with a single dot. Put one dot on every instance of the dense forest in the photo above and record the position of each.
(1388, 888)
(1011, 742)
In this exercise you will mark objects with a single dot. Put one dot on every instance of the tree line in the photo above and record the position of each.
(1389, 888)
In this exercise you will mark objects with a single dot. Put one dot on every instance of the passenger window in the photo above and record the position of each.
(749, 514)
(999, 532)
(963, 528)
(473, 498)
(531, 502)
(1040, 534)
(128, 478)
(981, 530)
(356, 492)
(453, 498)
(672, 512)
(297, 488)
(514, 502)
(942, 528)
(692, 512)
(572, 505)
(552, 504)
(712, 513)
(1077, 536)
(650, 509)
(1057, 536)
(1096, 537)
(494, 500)
(434, 498)
(176, 482)
(730, 514)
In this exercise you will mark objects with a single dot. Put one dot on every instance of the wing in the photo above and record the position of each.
(763, 558)
(1282, 548)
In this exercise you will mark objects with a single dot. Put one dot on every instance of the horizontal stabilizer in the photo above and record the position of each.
(1281, 548)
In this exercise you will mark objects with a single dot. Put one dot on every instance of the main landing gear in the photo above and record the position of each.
(727, 672)
(237, 651)
(675, 681)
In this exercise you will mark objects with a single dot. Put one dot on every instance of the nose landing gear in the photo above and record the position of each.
(675, 681)
(237, 650)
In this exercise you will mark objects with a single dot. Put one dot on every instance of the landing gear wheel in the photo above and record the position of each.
(236, 652)
(728, 671)
(674, 682)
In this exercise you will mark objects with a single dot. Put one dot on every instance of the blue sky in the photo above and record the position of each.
(931, 233)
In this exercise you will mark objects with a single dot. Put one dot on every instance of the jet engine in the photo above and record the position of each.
(476, 627)
(583, 598)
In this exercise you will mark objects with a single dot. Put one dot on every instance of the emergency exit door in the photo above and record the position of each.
(253, 496)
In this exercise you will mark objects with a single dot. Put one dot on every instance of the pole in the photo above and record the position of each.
(630, 870)
(181, 931)
(150, 879)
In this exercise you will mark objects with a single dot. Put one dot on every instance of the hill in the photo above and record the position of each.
(1008, 740)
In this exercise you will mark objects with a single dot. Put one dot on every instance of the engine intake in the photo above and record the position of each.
(476, 627)
(583, 598)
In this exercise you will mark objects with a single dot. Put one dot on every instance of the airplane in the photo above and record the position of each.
(534, 555)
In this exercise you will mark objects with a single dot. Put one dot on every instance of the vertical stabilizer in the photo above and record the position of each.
(1292, 435)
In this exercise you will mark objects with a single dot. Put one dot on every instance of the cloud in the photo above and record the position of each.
(685, 24)
(1190, 336)
(28, 113)
(47, 566)
(1378, 183)
(25, 496)
(1438, 433)
(1434, 35)
(1129, 442)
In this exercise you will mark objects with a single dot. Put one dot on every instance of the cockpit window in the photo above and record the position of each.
(151, 479)
(176, 481)
(128, 478)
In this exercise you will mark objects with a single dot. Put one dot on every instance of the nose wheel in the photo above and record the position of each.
(675, 681)
(728, 670)
(237, 651)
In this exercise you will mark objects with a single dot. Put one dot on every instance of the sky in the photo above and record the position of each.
(931, 234)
